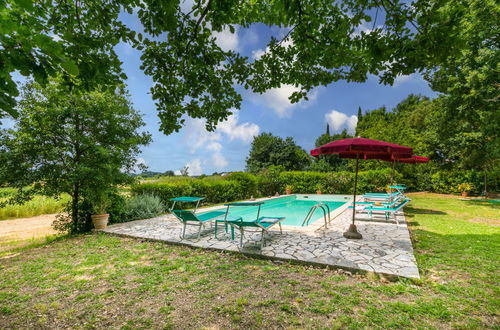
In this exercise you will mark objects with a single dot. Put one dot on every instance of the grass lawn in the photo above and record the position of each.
(103, 281)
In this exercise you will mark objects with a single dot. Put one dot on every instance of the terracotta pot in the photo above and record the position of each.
(288, 191)
(100, 221)
(318, 192)
(465, 193)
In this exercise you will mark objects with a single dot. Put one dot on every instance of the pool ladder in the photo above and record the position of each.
(326, 212)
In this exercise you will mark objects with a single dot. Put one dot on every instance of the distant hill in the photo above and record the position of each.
(148, 174)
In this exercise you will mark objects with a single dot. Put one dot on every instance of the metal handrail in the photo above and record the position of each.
(313, 209)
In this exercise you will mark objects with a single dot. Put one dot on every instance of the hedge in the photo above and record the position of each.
(447, 182)
(240, 185)
(214, 192)
(336, 182)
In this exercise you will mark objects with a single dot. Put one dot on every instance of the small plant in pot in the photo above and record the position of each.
(100, 203)
(319, 187)
(288, 189)
(465, 188)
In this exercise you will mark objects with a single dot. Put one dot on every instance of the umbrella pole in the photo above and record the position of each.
(352, 232)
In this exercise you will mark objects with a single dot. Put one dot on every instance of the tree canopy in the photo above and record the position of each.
(82, 144)
(319, 42)
(268, 150)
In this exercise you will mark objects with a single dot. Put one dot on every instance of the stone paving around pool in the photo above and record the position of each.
(385, 248)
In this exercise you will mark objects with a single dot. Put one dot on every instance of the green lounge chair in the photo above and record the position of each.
(386, 210)
(262, 223)
(189, 218)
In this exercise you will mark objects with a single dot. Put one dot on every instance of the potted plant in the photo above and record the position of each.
(389, 190)
(318, 188)
(288, 189)
(100, 203)
(465, 188)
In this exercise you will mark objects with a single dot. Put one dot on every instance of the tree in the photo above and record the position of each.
(469, 120)
(360, 114)
(327, 163)
(185, 170)
(42, 39)
(169, 173)
(68, 142)
(320, 42)
(268, 150)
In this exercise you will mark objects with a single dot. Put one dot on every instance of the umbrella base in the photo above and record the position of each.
(352, 232)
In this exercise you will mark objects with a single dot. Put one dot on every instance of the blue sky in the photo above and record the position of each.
(227, 148)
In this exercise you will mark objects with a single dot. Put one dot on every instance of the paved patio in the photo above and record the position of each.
(385, 248)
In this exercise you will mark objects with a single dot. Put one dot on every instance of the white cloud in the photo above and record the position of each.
(226, 40)
(196, 137)
(244, 132)
(277, 99)
(218, 158)
(186, 5)
(339, 120)
(402, 79)
(194, 167)
(258, 53)
(215, 147)
(249, 36)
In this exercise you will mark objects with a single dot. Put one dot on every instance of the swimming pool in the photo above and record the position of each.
(293, 207)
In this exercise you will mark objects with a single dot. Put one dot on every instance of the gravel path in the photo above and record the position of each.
(26, 228)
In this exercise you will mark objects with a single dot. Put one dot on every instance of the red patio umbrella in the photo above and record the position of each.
(414, 160)
(361, 148)
(411, 160)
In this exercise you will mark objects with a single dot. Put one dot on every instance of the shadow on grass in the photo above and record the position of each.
(414, 210)
(484, 202)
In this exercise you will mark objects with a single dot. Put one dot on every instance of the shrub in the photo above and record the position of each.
(269, 181)
(247, 181)
(116, 208)
(143, 207)
(447, 182)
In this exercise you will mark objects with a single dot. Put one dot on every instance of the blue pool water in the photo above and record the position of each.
(293, 207)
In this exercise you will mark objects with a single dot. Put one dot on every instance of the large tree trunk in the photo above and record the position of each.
(74, 204)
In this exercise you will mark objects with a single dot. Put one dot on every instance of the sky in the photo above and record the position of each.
(227, 148)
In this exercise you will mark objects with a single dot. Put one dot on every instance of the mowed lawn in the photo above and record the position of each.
(103, 281)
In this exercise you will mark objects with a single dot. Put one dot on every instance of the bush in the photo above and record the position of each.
(142, 207)
(116, 208)
(336, 182)
(447, 182)
(269, 181)
(214, 191)
(247, 181)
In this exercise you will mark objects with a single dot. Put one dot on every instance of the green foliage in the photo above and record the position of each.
(468, 120)
(268, 150)
(335, 182)
(327, 163)
(142, 207)
(43, 39)
(37, 206)
(269, 180)
(465, 187)
(67, 141)
(449, 181)
(325, 42)
(218, 191)
(116, 207)
(247, 181)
